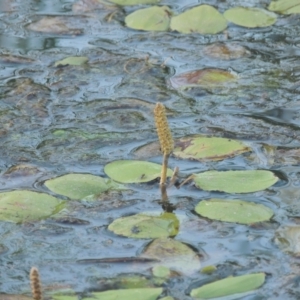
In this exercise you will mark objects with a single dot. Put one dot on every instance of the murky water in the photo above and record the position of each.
(78, 118)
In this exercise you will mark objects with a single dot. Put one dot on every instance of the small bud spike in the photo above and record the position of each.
(35, 283)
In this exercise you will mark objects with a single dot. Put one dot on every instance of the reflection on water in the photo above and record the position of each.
(24, 45)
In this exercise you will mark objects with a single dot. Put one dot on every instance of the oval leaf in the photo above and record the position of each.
(150, 19)
(133, 171)
(285, 6)
(27, 206)
(173, 254)
(203, 19)
(226, 51)
(72, 61)
(250, 17)
(134, 2)
(78, 186)
(292, 10)
(247, 181)
(229, 286)
(130, 294)
(206, 78)
(236, 211)
(212, 148)
(146, 226)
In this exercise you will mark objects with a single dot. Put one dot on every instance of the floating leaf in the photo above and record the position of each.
(72, 61)
(225, 51)
(128, 281)
(236, 211)
(288, 239)
(146, 226)
(136, 294)
(247, 181)
(250, 17)
(285, 6)
(203, 19)
(153, 18)
(206, 78)
(173, 254)
(134, 2)
(213, 148)
(14, 297)
(77, 186)
(27, 206)
(65, 297)
(133, 171)
(229, 286)
(292, 10)
(161, 271)
(53, 25)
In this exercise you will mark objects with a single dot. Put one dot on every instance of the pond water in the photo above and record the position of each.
(76, 119)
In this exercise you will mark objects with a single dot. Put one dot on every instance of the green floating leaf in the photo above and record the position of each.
(14, 297)
(161, 271)
(212, 148)
(134, 2)
(285, 6)
(229, 286)
(173, 254)
(205, 78)
(203, 19)
(65, 297)
(133, 171)
(72, 61)
(27, 206)
(136, 294)
(77, 186)
(236, 211)
(154, 18)
(250, 17)
(287, 238)
(146, 226)
(247, 181)
(292, 10)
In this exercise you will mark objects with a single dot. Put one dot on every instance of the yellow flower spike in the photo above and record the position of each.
(165, 140)
(35, 283)
(163, 130)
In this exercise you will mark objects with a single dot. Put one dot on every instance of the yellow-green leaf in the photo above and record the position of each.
(134, 2)
(229, 286)
(285, 6)
(72, 61)
(130, 294)
(244, 181)
(203, 19)
(154, 18)
(133, 171)
(235, 211)
(77, 186)
(212, 148)
(146, 226)
(27, 206)
(250, 17)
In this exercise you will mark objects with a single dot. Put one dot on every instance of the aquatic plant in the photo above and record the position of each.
(165, 139)
(35, 283)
